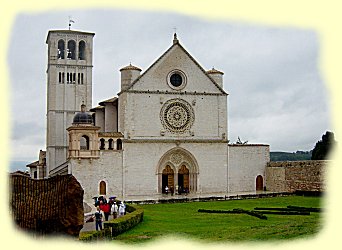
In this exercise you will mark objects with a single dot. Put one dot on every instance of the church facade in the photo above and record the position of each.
(167, 128)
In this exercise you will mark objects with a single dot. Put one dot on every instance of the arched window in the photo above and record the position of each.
(81, 50)
(119, 144)
(102, 144)
(61, 49)
(103, 188)
(35, 175)
(84, 142)
(71, 50)
(111, 144)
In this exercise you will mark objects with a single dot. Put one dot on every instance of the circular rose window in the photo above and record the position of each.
(177, 115)
(176, 79)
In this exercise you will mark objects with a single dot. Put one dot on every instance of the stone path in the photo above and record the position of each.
(90, 226)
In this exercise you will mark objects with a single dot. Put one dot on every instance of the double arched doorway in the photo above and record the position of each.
(177, 172)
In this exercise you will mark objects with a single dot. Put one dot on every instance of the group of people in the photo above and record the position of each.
(104, 209)
(179, 190)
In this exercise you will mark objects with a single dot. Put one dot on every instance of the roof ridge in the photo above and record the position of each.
(163, 55)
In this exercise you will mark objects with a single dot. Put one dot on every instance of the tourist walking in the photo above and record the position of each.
(121, 210)
(106, 210)
(98, 218)
(114, 210)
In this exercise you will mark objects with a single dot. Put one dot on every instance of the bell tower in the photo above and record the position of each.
(69, 84)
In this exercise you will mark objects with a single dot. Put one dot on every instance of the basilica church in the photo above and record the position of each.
(166, 129)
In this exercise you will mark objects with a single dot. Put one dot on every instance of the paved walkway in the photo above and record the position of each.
(90, 226)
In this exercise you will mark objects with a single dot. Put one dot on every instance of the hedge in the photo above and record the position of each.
(117, 226)
(94, 235)
(124, 223)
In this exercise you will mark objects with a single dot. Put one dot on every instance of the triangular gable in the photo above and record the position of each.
(164, 55)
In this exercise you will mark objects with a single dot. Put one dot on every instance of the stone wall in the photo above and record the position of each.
(246, 162)
(290, 176)
(90, 173)
(47, 206)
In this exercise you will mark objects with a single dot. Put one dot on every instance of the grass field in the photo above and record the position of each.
(182, 220)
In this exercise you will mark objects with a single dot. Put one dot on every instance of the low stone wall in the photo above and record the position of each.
(291, 176)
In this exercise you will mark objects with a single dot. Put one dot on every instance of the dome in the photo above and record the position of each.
(130, 67)
(214, 71)
(83, 117)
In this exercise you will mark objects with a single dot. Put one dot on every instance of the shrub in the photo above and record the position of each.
(94, 235)
(124, 223)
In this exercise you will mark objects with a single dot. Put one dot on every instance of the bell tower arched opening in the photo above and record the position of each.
(81, 50)
(61, 49)
(71, 50)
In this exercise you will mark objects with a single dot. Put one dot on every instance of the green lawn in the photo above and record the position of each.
(183, 220)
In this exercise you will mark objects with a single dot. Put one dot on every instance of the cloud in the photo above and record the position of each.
(276, 92)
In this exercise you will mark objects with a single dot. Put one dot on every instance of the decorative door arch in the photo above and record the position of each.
(184, 170)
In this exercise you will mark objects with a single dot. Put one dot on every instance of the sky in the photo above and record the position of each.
(277, 94)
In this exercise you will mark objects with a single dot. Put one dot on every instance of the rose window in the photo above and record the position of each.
(177, 115)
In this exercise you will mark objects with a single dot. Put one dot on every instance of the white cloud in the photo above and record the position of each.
(276, 92)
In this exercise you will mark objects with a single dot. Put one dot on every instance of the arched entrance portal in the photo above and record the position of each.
(259, 183)
(167, 179)
(177, 168)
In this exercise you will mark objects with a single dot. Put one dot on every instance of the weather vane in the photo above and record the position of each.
(70, 21)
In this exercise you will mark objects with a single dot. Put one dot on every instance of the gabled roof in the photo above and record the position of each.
(175, 43)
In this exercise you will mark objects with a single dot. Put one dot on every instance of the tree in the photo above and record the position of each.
(323, 147)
